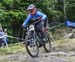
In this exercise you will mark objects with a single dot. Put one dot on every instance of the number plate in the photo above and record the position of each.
(31, 27)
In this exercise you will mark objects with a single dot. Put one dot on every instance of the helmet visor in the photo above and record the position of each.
(30, 11)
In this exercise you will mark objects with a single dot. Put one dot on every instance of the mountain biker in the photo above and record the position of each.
(33, 15)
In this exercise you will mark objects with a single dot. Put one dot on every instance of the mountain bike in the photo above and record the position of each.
(32, 41)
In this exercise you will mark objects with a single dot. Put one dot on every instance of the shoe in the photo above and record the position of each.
(40, 45)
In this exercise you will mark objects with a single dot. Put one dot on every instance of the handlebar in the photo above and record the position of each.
(33, 22)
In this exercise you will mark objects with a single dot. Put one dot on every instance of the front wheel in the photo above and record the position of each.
(47, 45)
(33, 48)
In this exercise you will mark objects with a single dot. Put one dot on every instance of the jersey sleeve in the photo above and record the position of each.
(26, 21)
(2, 35)
(42, 14)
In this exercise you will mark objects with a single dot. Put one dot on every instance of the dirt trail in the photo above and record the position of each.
(60, 53)
(43, 57)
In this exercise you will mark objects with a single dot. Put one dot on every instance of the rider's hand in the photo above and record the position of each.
(40, 20)
(23, 27)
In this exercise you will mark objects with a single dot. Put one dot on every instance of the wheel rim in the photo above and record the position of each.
(33, 50)
(47, 46)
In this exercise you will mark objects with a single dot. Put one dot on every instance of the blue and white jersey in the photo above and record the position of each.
(35, 16)
(1, 34)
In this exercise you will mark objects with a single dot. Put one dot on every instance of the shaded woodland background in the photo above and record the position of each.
(13, 13)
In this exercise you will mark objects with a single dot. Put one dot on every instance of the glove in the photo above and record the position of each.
(40, 20)
(23, 27)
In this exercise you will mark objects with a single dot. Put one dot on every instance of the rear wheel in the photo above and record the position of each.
(47, 45)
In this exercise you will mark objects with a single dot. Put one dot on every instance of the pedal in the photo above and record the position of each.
(40, 45)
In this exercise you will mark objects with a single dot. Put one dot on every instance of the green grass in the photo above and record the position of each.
(65, 45)
(12, 49)
(62, 45)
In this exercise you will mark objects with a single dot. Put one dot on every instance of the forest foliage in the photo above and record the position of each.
(13, 12)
